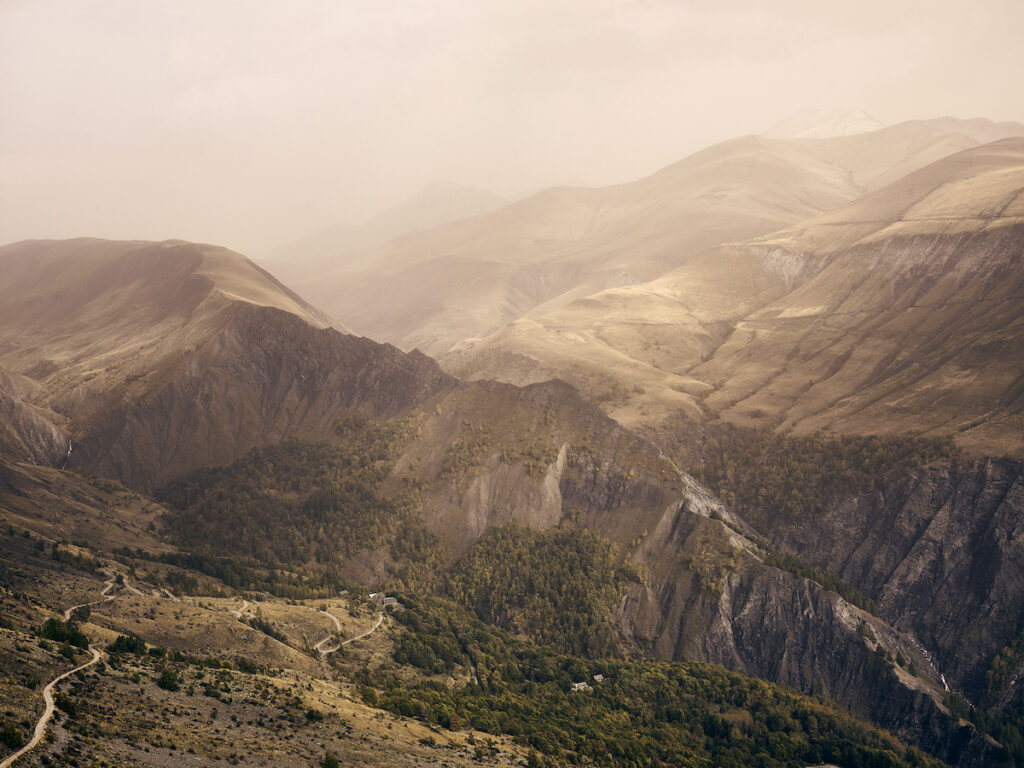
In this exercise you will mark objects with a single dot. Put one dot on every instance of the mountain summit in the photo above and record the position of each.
(823, 124)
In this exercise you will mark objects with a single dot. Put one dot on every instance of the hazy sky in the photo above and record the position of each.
(252, 123)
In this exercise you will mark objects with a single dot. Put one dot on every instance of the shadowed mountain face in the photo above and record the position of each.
(900, 311)
(467, 279)
(157, 358)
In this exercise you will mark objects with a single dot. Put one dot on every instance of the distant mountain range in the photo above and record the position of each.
(438, 203)
(894, 297)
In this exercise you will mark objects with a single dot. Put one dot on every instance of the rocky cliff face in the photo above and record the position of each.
(709, 596)
(942, 554)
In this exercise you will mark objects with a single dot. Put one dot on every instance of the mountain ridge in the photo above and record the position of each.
(674, 335)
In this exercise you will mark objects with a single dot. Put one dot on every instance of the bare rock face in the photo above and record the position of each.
(26, 432)
(768, 624)
(942, 554)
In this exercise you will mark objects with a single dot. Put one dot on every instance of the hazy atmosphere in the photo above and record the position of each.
(514, 383)
(249, 124)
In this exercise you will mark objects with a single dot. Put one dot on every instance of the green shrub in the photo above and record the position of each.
(57, 630)
(127, 644)
(64, 704)
(11, 736)
(168, 679)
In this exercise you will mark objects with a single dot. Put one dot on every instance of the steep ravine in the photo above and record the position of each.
(708, 596)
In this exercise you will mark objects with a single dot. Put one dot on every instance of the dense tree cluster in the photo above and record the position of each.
(57, 630)
(239, 573)
(559, 585)
(641, 714)
(466, 452)
(79, 561)
(298, 503)
(761, 473)
(128, 644)
(1003, 669)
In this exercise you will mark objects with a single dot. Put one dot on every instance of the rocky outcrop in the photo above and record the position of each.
(708, 595)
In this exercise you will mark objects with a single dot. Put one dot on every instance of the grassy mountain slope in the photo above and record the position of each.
(898, 311)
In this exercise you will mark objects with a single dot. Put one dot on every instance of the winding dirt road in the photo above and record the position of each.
(48, 690)
(367, 633)
(241, 611)
(104, 598)
(319, 647)
(50, 706)
(96, 655)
